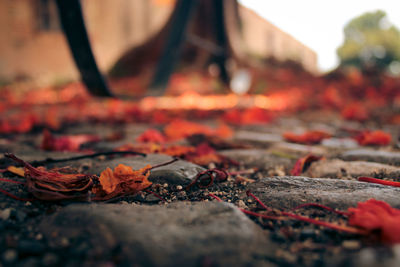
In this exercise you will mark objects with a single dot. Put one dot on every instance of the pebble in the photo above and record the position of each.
(49, 259)
(64, 242)
(10, 255)
(241, 204)
(351, 244)
(5, 214)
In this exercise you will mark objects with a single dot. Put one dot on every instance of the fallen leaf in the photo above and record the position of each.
(122, 181)
(355, 111)
(373, 138)
(248, 116)
(377, 216)
(179, 129)
(151, 136)
(303, 163)
(66, 143)
(52, 185)
(310, 137)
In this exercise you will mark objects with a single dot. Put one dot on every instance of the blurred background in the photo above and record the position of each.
(335, 52)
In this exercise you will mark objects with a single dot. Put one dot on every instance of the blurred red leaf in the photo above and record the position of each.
(179, 129)
(373, 138)
(377, 216)
(248, 116)
(205, 154)
(303, 163)
(151, 136)
(310, 137)
(66, 143)
(355, 111)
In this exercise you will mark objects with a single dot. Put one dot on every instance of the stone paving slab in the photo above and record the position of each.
(179, 234)
(374, 155)
(340, 169)
(257, 138)
(298, 149)
(290, 191)
(259, 158)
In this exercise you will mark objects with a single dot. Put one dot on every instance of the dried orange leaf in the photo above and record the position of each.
(151, 136)
(122, 181)
(16, 170)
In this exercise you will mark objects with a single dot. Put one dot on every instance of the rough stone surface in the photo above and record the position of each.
(181, 234)
(369, 257)
(340, 143)
(351, 169)
(387, 157)
(298, 149)
(257, 138)
(291, 191)
(259, 158)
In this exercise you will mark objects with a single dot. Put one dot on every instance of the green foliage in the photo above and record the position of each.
(370, 42)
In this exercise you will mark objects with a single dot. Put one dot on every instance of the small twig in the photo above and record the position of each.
(212, 174)
(258, 201)
(163, 164)
(10, 181)
(322, 207)
(107, 153)
(155, 194)
(337, 227)
(215, 197)
(268, 217)
(14, 196)
(378, 181)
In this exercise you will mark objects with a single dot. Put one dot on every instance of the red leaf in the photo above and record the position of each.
(310, 137)
(375, 215)
(66, 143)
(374, 138)
(248, 116)
(179, 129)
(151, 136)
(355, 111)
(303, 163)
(53, 185)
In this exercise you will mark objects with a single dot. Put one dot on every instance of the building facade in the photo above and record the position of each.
(32, 44)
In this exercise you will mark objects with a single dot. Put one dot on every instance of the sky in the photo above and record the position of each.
(319, 23)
